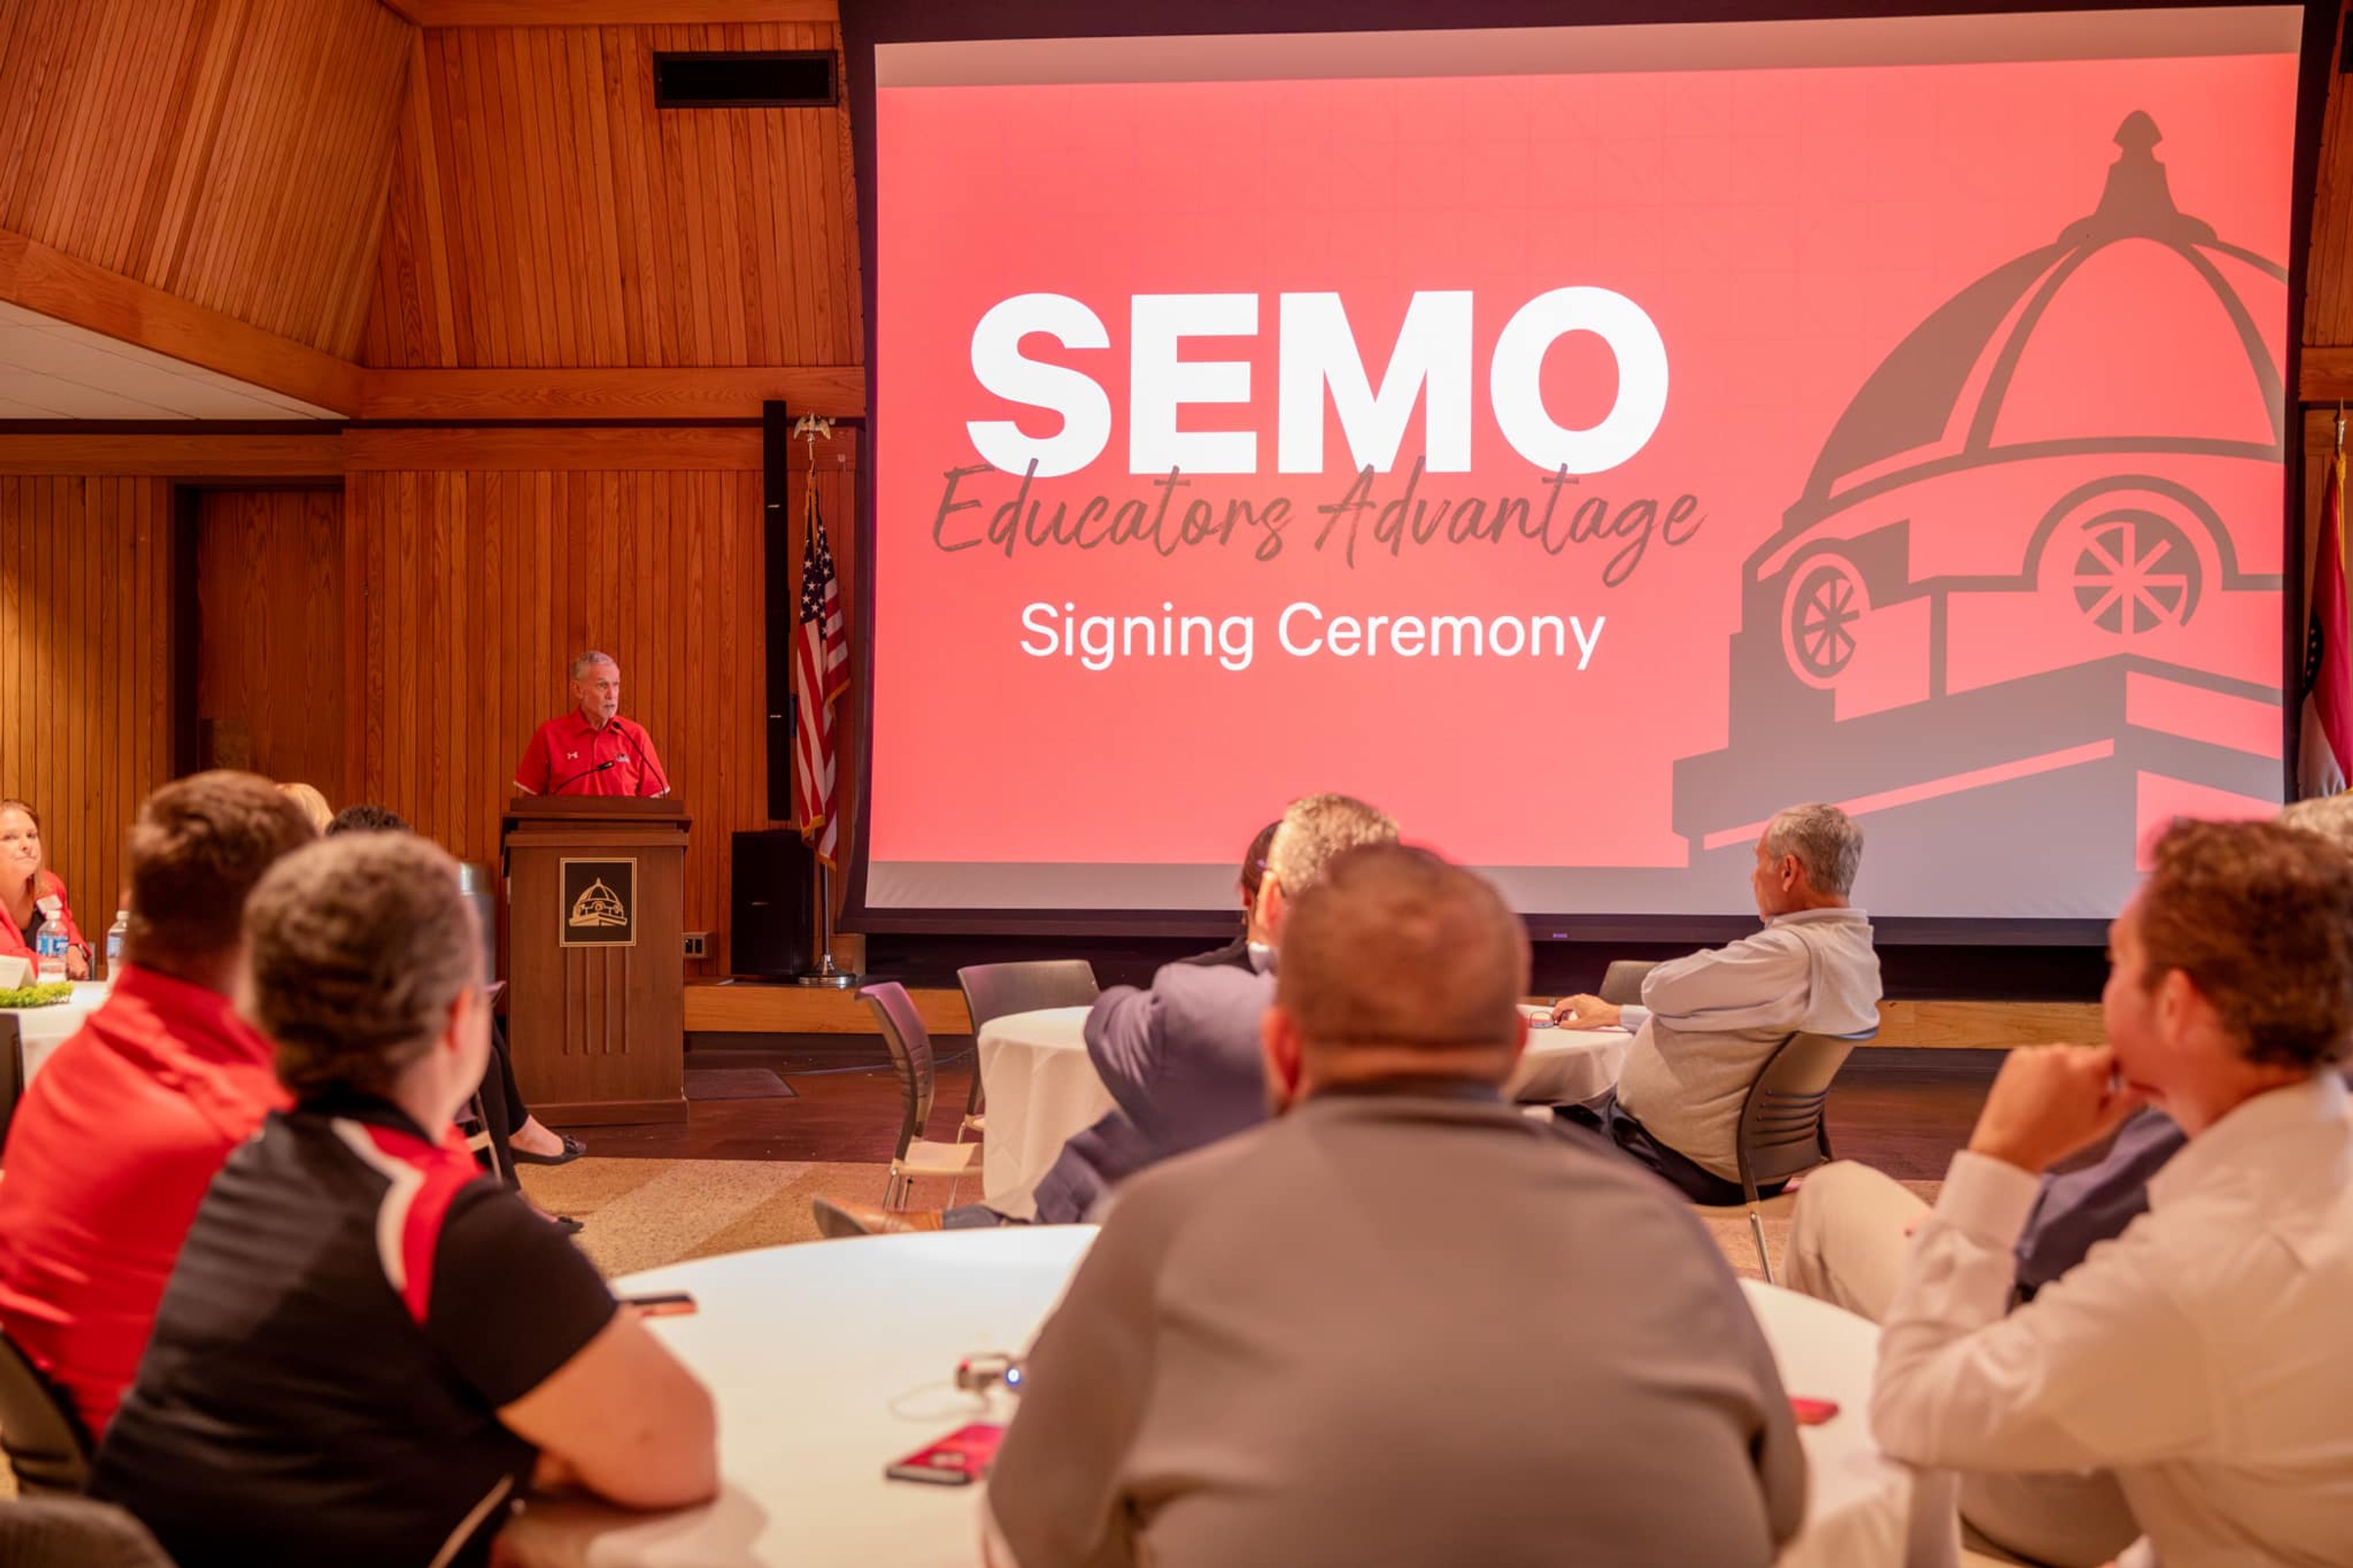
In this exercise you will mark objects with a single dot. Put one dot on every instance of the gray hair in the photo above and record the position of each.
(2329, 815)
(1313, 830)
(1826, 841)
(589, 661)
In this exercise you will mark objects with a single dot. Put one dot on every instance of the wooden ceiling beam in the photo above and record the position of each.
(170, 455)
(2327, 375)
(52, 283)
(588, 447)
(605, 13)
(714, 392)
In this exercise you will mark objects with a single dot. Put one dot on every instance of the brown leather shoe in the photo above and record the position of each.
(838, 1219)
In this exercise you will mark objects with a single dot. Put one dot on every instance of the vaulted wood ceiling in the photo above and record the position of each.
(289, 191)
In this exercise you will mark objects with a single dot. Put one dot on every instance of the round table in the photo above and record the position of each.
(43, 1030)
(829, 1360)
(1042, 1088)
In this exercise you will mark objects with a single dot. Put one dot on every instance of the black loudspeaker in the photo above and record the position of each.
(783, 608)
(772, 923)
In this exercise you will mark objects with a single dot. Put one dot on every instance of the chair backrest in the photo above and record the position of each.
(74, 1533)
(47, 1450)
(910, 1055)
(995, 989)
(1781, 1129)
(12, 1070)
(1621, 984)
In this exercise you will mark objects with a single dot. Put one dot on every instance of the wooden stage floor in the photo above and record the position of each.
(1904, 1111)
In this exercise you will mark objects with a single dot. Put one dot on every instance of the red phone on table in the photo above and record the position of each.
(1812, 1412)
(957, 1459)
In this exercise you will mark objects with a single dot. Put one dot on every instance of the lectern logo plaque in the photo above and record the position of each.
(600, 903)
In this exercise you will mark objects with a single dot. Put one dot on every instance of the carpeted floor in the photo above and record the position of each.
(642, 1213)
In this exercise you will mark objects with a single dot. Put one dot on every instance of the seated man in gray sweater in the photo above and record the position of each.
(1709, 1023)
(1374, 1331)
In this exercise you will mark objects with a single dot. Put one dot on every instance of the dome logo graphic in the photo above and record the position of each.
(599, 903)
(2031, 591)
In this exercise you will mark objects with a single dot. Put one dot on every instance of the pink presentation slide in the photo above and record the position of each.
(1580, 467)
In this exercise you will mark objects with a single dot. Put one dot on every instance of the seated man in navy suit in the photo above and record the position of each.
(1181, 1059)
(1251, 949)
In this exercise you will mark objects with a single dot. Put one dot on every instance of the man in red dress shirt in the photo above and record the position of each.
(114, 1145)
(592, 750)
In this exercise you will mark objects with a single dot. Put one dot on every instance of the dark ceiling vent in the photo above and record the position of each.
(780, 78)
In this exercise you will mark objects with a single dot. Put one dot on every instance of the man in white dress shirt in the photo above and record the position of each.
(1709, 1023)
(2203, 1356)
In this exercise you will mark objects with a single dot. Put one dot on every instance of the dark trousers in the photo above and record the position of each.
(1605, 1117)
(503, 1110)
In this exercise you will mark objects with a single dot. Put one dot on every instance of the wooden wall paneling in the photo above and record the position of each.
(270, 608)
(477, 585)
(545, 215)
(85, 698)
(234, 153)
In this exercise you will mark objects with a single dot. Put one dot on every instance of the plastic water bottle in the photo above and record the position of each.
(116, 934)
(49, 958)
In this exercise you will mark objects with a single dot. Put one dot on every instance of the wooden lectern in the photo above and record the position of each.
(596, 963)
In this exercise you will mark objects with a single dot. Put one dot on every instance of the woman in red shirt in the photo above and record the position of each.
(33, 901)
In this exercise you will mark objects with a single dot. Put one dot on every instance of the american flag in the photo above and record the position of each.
(821, 674)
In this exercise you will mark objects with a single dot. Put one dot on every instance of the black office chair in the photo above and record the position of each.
(996, 990)
(1782, 1131)
(1621, 984)
(909, 1045)
(49, 1452)
(74, 1533)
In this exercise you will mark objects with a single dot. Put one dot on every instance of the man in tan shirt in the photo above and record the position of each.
(1710, 1023)
(2201, 1357)
(1401, 1323)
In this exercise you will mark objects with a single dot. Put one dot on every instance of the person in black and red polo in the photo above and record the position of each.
(592, 750)
(369, 1346)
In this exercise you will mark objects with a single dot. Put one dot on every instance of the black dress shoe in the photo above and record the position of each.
(573, 1150)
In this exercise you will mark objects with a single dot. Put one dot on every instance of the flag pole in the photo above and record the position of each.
(827, 974)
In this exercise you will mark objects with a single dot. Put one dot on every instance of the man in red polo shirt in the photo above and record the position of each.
(114, 1145)
(592, 750)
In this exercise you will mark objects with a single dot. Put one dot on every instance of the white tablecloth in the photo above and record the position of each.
(1566, 1066)
(1041, 1088)
(44, 1029)
(829, 1360)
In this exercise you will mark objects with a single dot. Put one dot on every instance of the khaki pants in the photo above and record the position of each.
(1847, 1245)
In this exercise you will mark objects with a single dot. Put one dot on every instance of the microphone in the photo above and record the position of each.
(646, 753)
(560, 786)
